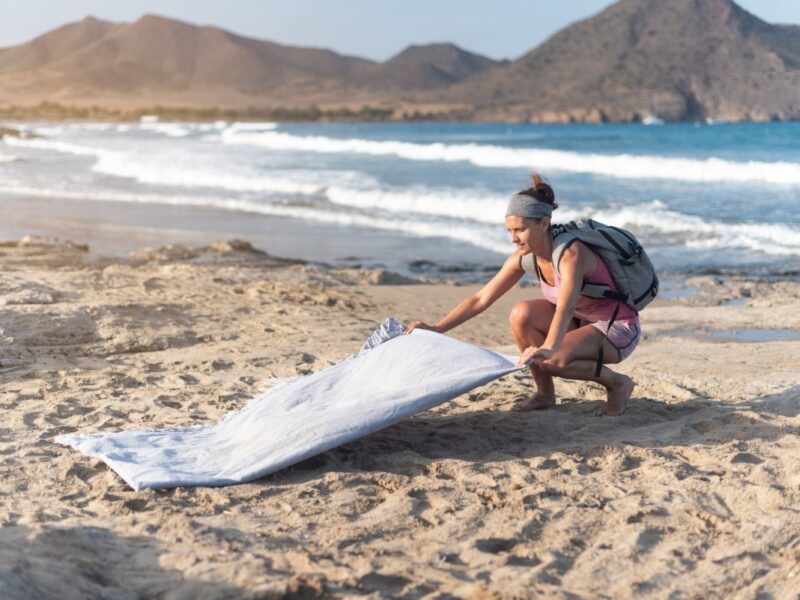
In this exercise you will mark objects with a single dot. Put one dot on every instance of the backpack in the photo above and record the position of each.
(630, 267)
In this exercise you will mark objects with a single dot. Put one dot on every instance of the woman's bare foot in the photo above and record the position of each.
(617, 396)
(535, 402)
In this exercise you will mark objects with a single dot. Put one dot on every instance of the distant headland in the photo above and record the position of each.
(638, 60)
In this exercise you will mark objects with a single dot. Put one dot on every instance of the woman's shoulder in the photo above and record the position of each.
(576, 250)
(515, 258)
(579, 256)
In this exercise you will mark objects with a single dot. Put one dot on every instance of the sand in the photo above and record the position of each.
(692, 493)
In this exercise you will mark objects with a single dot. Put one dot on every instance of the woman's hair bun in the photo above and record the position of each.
(541, 190)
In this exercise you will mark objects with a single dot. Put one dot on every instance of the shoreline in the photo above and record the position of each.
(361, 186)
(381, 112)
(117, 228)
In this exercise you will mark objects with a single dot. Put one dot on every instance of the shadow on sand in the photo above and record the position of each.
(572, 427)
(91, 562)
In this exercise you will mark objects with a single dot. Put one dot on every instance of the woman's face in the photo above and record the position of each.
(525, 233)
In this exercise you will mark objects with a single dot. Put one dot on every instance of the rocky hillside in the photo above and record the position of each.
(678, 60)
(426, 67)
(675, 60)
(162, 59)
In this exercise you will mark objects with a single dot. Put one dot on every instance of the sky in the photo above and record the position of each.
(375, 29)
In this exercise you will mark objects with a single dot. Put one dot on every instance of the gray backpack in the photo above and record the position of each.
(628, 263)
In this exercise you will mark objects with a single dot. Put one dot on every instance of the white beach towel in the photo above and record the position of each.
(393, 377)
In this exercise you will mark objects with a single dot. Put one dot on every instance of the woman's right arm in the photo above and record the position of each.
(474, 304)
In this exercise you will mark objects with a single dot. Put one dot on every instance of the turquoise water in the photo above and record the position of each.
(703, 198)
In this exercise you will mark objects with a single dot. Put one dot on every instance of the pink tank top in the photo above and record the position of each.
(591, 309)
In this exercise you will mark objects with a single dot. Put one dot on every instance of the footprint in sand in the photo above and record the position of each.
(383, 583)
(522, 561)
(135, 504)
(421, 504)
(83, 472)
(630, 463)
(550, 494)
(56, 431)
(647, 540)
(153, 284)
(308, 359)
(70, 408)
(549, 463)
(451, 558)
(496, 545)
(165, 401)
(29, 419)
(747, 458)
(685, 470)
(705, 426)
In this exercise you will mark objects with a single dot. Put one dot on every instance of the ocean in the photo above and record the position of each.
(416, 197)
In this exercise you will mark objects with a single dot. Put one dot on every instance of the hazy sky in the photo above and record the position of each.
(373, 29)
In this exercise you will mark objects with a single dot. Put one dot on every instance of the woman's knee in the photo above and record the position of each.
(531, 313)
(520, 314)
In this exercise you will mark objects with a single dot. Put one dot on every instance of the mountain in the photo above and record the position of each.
(672, 59)
(155, 56)
(53, 45)
(159, 58)
(427, 67)
(679, 60)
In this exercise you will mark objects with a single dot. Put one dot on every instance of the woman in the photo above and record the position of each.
(563, 334)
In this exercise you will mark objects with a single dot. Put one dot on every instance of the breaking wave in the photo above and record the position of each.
(624, 166)
(357, 199)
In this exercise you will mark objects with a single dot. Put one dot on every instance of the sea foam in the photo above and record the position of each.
(623, 166)
(176, 169)
(353, 198)
(52, 145)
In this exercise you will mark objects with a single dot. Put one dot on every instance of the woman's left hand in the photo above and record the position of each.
(534, 355)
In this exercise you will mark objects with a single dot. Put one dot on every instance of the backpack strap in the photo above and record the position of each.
(590, 290)
(528, 264)
(600, 291)
(599, 368)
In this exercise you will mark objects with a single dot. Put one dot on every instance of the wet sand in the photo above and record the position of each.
(693, 492)
(118, 228)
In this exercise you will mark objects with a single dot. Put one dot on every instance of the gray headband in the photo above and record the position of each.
(522, 205)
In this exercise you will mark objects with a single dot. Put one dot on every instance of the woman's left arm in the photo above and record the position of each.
(571, 271)
(575, 263)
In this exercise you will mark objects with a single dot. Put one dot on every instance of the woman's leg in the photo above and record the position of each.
(576, 358)
(530, 322)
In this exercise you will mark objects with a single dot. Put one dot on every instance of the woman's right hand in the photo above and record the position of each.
(419, 325)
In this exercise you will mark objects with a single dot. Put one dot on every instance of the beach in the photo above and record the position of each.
(693, 492)
(215, 226)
